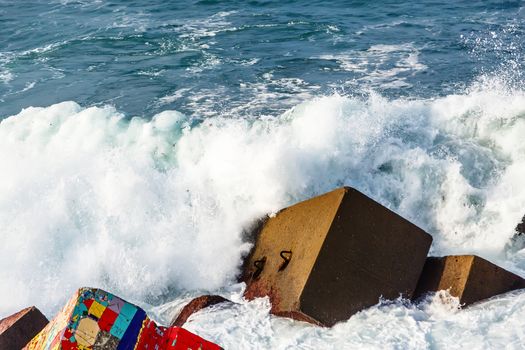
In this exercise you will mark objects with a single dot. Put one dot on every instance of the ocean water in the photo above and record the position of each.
(140, 141)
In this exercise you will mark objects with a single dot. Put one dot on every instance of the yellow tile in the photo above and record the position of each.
(96, 309)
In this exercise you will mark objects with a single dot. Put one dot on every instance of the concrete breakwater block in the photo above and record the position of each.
(196, 305)
(468, 277)
(98, 320)
(18, 329)
(328, 257)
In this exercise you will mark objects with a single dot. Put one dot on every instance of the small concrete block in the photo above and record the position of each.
(18, 329)
(468, 277)
(324, 259)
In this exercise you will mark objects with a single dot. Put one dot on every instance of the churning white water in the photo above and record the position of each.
(155, 210)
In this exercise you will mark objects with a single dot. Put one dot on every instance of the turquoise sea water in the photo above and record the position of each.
(140, 140)
(247, 58)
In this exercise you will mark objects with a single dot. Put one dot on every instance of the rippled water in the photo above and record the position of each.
(208, 58)
(139, 141)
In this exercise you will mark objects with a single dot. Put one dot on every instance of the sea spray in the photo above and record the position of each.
(150, 209)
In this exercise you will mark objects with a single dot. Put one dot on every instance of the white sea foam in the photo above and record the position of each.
(28, 86)
(435, 323)
(385, 66)
(156, 208)
(5, 75)
(173, 97)
(207, 27)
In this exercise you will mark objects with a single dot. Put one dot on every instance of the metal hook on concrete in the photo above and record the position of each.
(287, 256)
(259, 266)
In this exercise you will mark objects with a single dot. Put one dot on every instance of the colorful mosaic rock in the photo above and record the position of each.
(95, 319)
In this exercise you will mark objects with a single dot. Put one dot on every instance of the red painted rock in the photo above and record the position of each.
(468, 277)
(324, 259)
(98, 320)
(196, 305)
(18, 329)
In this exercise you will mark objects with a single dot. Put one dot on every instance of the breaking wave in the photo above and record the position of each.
(152, 209)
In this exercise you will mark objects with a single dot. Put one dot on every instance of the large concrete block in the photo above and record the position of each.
(18, 329)
(468, 277)
(326, 258)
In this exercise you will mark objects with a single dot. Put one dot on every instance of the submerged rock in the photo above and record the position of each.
(197, 305)
(18, 329)
(95, 319)
(520, 228)
(468, 277)
(324, 259)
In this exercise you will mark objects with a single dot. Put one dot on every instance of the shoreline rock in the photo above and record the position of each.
(468, 277)
(19, 328)
(98, 320)
(195, 306)
(326, 258)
